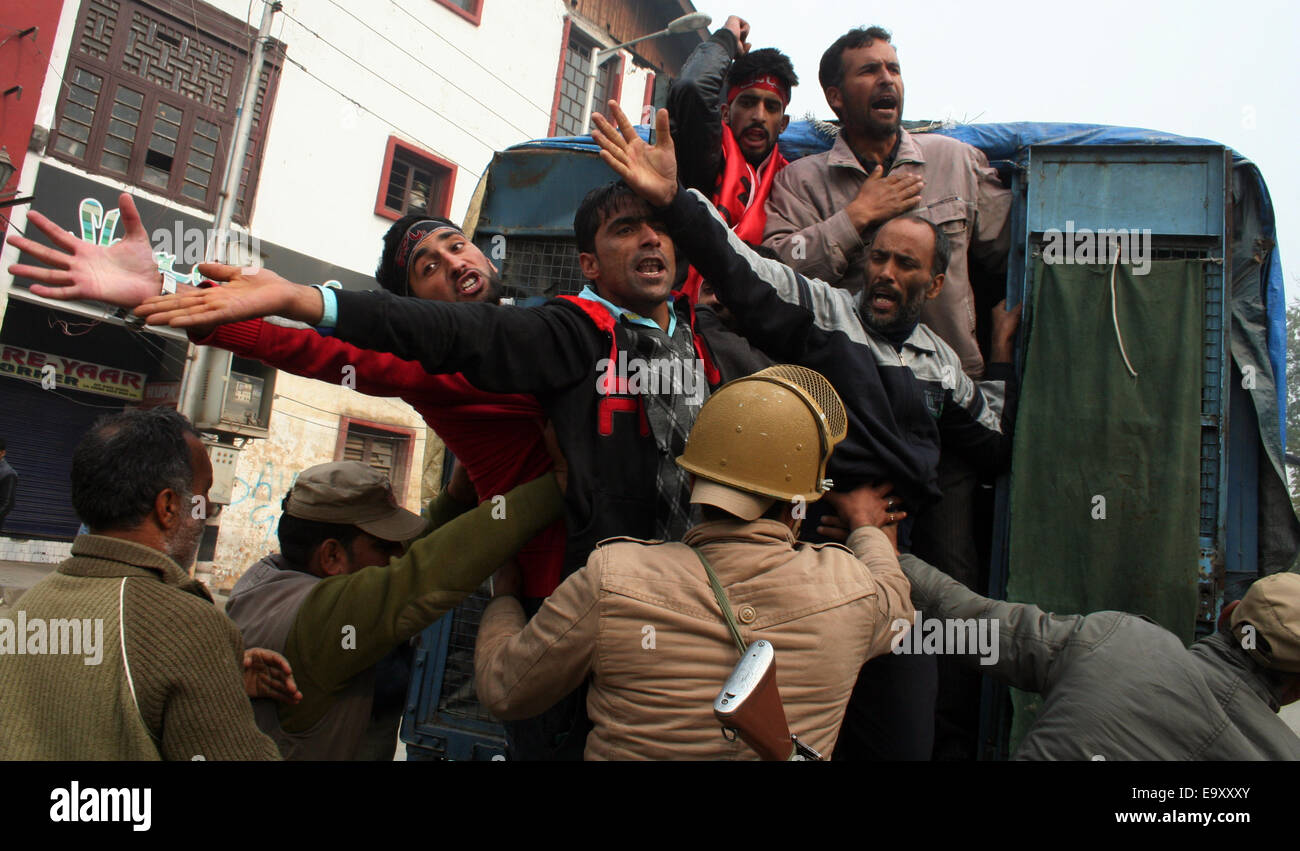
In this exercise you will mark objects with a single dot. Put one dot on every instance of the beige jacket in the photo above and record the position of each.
(808, 227)
(642, 621)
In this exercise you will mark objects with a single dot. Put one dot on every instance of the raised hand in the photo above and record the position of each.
(123, 274)
(249, 293)
(651, 171)
(740, 27)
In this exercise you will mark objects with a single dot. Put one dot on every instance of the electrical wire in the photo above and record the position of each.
(58, 391)
(527, 134)
(156, 349)
(9, 224)
(338, 413)
(65, 325)
(330, 426)
(50, 63)
(490, 72)
(409, 135)
(491, 147)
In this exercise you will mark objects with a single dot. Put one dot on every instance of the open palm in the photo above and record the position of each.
(651, 171)
(123, 274)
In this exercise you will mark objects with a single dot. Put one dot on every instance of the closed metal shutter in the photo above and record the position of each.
(41, 428)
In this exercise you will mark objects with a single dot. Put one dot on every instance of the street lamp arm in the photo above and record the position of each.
(610, 51)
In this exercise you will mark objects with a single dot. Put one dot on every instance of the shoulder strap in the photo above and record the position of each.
(723, 604)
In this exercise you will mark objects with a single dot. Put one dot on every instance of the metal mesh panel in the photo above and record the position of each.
(540, 267)
(821, 392)
(458, 698)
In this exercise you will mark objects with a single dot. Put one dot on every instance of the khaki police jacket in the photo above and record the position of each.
(809, 228)
(641, 620)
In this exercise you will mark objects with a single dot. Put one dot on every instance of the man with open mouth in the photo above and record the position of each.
(824, 209)
(728, 107)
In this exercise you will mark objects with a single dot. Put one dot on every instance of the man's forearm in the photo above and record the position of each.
(773, 304)
(1029, 640)
(384, 606)
(694, 102)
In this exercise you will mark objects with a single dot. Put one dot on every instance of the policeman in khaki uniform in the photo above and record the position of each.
(641, 620)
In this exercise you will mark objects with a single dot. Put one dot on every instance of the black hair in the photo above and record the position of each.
(300, 538)
(942, 245)
(3, 447)
(765, 62)
(831, 72)
(387, 274)
(124, 461)
(599, 204)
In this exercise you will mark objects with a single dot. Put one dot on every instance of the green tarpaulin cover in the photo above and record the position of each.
(1105, 491)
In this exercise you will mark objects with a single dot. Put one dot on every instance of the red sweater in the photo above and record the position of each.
(498, 437)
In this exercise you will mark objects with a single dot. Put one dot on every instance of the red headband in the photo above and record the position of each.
(767, 83)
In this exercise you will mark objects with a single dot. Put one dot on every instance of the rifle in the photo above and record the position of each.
(749, 705)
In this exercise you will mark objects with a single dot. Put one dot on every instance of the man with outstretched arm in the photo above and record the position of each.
(499, 438)
(618, 369)
(1118, 686)
(344, 591)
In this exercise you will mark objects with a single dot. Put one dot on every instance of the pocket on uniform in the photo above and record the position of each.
(950, 214)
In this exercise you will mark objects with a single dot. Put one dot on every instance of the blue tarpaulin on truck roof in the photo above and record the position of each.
(1262, 313)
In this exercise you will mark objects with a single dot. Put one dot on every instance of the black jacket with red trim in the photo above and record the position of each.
(560, 352)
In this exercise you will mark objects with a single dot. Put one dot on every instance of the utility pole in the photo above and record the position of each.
(203, 385)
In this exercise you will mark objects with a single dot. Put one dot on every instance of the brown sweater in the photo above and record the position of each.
(184, 659)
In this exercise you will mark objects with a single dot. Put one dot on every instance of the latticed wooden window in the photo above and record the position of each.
(153, 87)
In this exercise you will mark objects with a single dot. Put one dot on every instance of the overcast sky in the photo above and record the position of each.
(1229, 72)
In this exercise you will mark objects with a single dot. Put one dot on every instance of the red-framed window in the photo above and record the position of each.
(389, 449)
(571, 82)
(414, 180)
(470, 10)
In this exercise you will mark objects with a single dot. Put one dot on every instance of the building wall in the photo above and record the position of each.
(22, 63)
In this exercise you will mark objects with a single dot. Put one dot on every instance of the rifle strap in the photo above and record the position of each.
(723, 603)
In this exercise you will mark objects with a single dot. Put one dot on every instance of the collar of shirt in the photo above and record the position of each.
(905, 151)
(636, 319)
(918, 338)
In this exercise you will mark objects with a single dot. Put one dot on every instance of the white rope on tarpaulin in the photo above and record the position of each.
(1114, 314)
